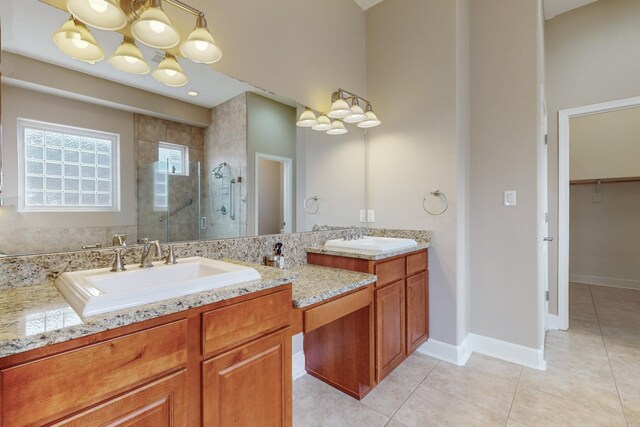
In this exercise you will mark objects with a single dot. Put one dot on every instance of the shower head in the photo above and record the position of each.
(217, 171)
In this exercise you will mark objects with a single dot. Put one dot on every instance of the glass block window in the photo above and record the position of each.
(173, 159)
(67, 169)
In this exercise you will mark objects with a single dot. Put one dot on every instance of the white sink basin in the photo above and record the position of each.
(92, 292)
(372, 244)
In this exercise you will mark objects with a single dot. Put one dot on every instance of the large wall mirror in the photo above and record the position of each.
(90, 152)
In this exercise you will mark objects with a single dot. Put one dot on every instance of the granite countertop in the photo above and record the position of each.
(371, 255)
(38, 315)
(314, 283)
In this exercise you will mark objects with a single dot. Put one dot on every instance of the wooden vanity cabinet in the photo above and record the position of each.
(401, 302)
(227, 363)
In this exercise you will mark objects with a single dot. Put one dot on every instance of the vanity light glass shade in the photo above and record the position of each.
(170, 73)
(102, 14)
(324, 124)
(75, 40)
(357, 115)
(371, 120)
(307, 119)
(129, 59)
(339, 109)
(337, 128)
(200, 46)
(154, 28)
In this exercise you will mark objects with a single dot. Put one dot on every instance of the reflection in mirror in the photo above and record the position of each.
(228, 162)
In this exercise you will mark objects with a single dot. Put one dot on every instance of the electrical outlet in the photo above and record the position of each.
(363, 215)
(371, 215)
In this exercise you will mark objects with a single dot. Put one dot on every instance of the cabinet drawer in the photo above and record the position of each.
(159, 404)
(229, 326)
(44, 390)
(390, 271)
(417, 263)
(327, 313)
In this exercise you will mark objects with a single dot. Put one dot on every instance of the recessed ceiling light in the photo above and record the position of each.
(193, 93)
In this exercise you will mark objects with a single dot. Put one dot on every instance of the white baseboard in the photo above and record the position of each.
(605, 281)
(515, 353)
(457, 355)
(553, 322)
(298, 365)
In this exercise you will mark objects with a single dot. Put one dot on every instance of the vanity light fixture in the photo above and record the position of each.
(149, 24)
(357, 113)
(338, 128)
(129, 59)
(170, 72)
(75, 40)
(324, 124)
(339, 109)
(154, 28)
(307, 119)
(200, 46)
(102, 14)
(371, 120)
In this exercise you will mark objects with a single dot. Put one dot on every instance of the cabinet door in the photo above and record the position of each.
(390, 328)
(158, 404)
(250, 385)
(417, 311)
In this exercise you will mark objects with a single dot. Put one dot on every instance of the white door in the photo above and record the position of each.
(545, 210)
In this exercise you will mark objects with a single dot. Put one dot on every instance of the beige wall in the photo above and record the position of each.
(605, 145)
(49, 78)
(334, 172)
(416, 80)
(505, 133)
(271, 129)
(44, 232)
(590, 59)
(302, 50)
(605, 236)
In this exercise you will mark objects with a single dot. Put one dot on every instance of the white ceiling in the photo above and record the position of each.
(556, 7)
(33, 40)
(366, 4)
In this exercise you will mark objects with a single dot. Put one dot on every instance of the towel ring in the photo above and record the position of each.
(436, 193)
(307, 203)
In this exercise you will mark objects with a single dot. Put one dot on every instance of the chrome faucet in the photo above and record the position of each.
(362, 232)
(119, 240)
(151, 250)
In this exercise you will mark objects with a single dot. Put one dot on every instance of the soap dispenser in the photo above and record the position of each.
(279, 257)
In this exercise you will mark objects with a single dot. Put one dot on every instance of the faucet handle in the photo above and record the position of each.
(118, 263)
(171, 256)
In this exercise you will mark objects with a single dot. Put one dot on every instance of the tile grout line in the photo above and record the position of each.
(413, 391)
(506, 422)
(615, 383)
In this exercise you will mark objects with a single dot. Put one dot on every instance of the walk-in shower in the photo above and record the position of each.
(225, 188)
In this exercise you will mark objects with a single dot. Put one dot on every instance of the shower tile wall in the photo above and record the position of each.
(226, 141)
(149, 132)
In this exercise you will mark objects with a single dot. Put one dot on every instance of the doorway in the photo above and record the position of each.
(564, 177)
(273, 194)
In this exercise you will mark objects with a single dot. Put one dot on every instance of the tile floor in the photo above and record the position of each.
(592, 379)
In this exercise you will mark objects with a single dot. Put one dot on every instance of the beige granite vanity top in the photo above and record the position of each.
(38, 315)
(375, 256)
(314, 283)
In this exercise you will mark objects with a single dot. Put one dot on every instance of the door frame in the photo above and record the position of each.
(564, 117)
(288, 188)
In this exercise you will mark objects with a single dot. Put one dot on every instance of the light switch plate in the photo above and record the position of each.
(363, 215)
(510, 198)
(371, 215)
